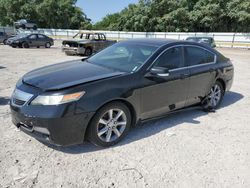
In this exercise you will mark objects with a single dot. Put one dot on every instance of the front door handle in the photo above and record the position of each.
(183, 76)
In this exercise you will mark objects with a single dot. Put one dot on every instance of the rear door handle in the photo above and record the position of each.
(183, 76)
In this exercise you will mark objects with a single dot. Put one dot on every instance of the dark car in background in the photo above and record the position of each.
(204, 40)
(101, 98)
(4, 37)
(25, 24)
(86, 43)
(30, 40)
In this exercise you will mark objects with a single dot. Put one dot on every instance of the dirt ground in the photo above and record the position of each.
(187, 149)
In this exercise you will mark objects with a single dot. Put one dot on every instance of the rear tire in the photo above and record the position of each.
(5, 41)
(109, 125)
(88, 52)
(34, 27)
(214, 98)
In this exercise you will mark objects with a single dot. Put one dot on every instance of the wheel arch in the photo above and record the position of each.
(89, 47)
(223, 83)
(125, 102)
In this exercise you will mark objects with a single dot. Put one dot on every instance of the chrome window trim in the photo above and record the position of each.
(186, 67)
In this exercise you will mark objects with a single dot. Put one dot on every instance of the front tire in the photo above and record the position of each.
(110, 125)
(214, 98)
(25, 45)
(47, 45)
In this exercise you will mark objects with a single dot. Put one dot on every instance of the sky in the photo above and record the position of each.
(97, 9)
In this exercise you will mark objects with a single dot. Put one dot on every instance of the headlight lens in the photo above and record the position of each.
(57, 99)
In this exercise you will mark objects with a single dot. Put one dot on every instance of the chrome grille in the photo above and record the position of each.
(18, 102)
(19, 98)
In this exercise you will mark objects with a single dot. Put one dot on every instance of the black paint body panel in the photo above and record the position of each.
(147, 97)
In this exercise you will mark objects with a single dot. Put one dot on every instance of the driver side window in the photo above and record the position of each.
(170, 59)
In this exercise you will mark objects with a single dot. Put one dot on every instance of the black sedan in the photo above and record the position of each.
(30, 40)
(101, 98)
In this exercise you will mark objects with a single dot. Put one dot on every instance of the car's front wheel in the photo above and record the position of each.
(25, 45)
(109, 125)
(215, 97)
(47, 45)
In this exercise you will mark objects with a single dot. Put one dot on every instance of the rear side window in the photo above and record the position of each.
(171, 59)
(198, 56)
(102, 37)
(41, 37)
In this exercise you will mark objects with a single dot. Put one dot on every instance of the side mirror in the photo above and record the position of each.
(85, 58)
(159, 71)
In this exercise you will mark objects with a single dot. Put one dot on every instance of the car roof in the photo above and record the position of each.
(89, 32)
(162, 42)
(199, 37)
(152, 41)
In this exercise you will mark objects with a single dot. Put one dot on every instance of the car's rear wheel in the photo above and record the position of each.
(25, 45)
(34, 27)
(88, 52)
(47, 45)
(215, 97)
(109, 125)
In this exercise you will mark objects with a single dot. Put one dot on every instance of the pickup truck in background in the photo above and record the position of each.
(86, 43)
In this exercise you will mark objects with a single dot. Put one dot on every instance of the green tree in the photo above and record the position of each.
(239, 14)
(46, 13)
(182, 16)
(109, 22)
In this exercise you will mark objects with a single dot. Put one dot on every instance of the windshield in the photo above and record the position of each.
(205, 40)
(21, 35)
(193, 39)
(125, 57)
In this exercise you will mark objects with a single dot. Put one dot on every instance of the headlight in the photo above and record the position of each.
(57, 99)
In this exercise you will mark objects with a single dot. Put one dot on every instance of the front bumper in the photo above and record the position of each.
(13, 43)
(55, 125)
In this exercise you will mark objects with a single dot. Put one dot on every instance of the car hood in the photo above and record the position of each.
(67, 74)
(16, 38)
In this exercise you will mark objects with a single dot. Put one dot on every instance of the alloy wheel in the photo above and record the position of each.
(111, 125)
(215, 95)
(47, 45)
